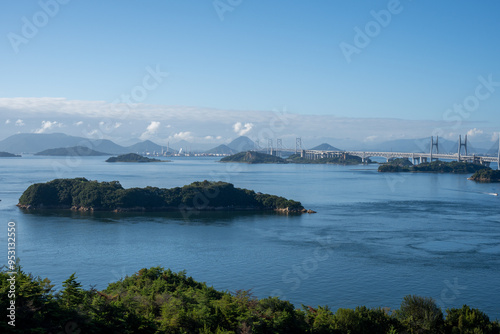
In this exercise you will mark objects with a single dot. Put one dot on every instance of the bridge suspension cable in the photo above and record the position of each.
(434, 144)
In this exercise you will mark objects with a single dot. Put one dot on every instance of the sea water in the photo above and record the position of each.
(374, 239)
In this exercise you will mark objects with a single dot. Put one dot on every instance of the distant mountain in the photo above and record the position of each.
(221, 149)
(241, 144)
(33, 143)
(148, 146)
(80, 151)
(347, 144)
(8, 155)
(482, 147)
(325, 147)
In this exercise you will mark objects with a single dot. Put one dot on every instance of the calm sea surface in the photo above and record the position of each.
(376, 237)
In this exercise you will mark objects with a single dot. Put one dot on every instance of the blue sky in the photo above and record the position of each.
(262, 55)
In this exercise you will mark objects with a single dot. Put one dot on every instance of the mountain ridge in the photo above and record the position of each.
(37, 142)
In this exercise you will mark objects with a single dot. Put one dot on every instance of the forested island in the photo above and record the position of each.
(344, 159)
(83, 195)
(80, 151)
(8, 155)
(454, 167)
(486, 175)
(251, 157)
(158, 300)
(132, 157)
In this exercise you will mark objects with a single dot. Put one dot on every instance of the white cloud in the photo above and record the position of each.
(371, 138)
(183, 135)
(93, 133)
(218, 137)
(241, 129)
(78, 123)
(152, 129)
(109, 126)
(474, 132)
(208, 138)
(48, 125)
(7, 121)
(19, 122)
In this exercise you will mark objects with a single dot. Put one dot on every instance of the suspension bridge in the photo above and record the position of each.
(462, 153)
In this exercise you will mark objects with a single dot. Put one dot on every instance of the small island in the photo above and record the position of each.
(344, 159)
(252, 157)
(396, 165)
(486, 175)
(75, 151)
(132, 157)
(453, 167)
(80, 194)
(8, 155)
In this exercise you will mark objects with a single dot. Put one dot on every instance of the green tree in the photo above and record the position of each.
(320, 320)
(467, 320)
(36, 309)
(420, 315)
(72, 295)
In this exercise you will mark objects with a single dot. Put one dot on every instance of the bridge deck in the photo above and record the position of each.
(388, 155)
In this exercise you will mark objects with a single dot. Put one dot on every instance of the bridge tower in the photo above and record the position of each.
(434, 144)
(460, 145)
(279, 147)
(270, 146)
(498, 161)
(298, 145)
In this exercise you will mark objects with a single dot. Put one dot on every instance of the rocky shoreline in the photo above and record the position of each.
(158, 209)
(486, 176)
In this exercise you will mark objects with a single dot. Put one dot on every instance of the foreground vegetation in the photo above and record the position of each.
(486, 175)
(156, 300)
(432, 167)
(82, 194)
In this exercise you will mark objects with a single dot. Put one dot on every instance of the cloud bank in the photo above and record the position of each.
(162, 124)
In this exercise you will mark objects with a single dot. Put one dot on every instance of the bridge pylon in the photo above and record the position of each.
(460, 145)
(434, 144)
(270, 146)
(279, 147)
(298, 145)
